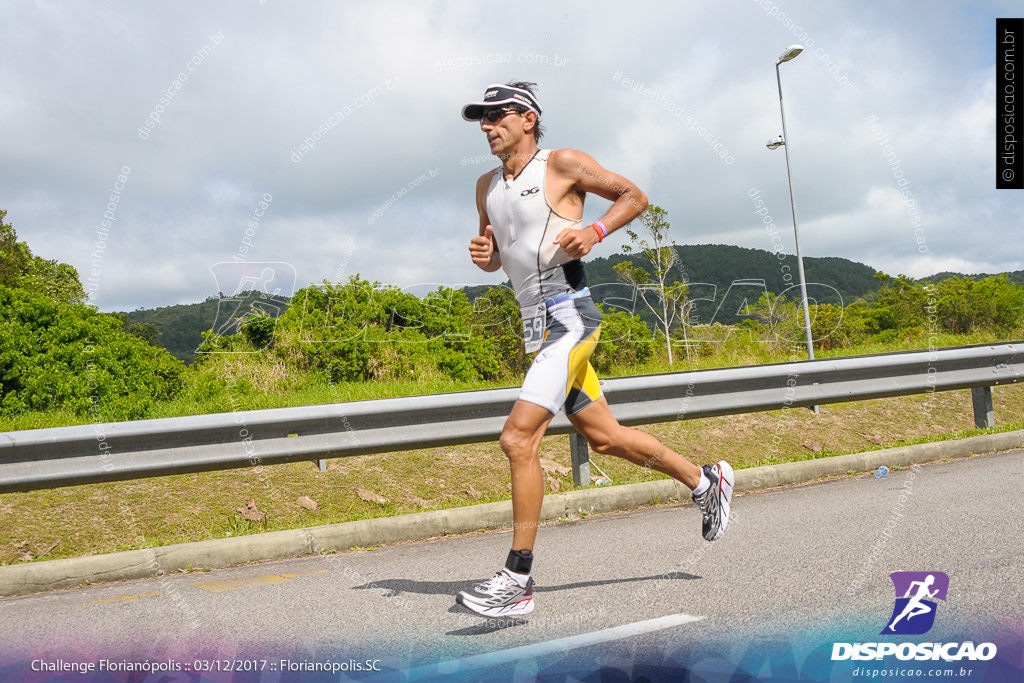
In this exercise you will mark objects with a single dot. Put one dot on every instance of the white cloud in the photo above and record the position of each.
(399, 73)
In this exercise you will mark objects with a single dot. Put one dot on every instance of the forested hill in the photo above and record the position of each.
(722, 264)
(1015, 276)
(722, 278)
(179, 328)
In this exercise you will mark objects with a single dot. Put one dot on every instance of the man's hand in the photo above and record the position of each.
(577, 242)
(481, 248)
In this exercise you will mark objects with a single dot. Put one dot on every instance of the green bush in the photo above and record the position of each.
(625, 341)
(363, 331)
(258, 330)
(496, 318)
(887, 336)
(56, 355)
(962, 305)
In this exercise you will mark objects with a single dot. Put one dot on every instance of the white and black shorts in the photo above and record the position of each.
(561, 375)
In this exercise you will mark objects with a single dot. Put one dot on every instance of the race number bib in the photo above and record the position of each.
(534, 319)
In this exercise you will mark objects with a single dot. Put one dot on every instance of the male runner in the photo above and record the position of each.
(531, 211)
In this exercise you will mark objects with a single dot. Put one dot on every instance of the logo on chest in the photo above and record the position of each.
(531, 191)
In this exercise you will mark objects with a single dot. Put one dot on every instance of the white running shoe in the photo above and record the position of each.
(499, 596)
(714, 503)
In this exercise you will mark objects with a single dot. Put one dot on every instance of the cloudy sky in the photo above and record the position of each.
(140, 140)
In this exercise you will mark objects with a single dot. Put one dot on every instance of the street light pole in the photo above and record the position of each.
(789, 54)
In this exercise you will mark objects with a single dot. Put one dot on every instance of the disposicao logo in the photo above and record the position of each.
(914, 614)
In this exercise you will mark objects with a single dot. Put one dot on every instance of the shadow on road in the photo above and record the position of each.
(394, 587)
(399, 586)
(483, 625)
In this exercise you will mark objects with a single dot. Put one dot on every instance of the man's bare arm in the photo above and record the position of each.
(586, 175)
(482, 249)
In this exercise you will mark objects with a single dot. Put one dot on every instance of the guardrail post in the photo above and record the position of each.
(984, 414)
(322, 465)
(579, 449)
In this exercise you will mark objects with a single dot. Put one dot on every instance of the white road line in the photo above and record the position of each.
(551, 646)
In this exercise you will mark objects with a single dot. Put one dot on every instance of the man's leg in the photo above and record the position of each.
(520, 440)
(606, 436)
(510, 591)
(711, 485)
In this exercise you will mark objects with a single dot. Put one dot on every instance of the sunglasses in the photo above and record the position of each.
(495, 115)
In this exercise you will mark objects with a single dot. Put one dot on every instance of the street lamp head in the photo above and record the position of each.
(791, 52)
(775, 142)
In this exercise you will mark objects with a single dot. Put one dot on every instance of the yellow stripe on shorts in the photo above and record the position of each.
(581, 373)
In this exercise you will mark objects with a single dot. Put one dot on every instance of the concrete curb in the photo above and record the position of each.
(50, 575)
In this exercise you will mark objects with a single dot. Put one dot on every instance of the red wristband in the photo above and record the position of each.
(600, 237)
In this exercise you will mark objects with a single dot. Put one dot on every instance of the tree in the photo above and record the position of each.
(672, 299)
(14, 255)
(900, 306)
(19, 268)
(963, 305)
(777, 317)
(147, 332)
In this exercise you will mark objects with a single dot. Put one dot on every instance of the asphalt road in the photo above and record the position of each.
(798, 569)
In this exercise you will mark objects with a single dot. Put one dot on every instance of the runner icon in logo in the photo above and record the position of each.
(914, 609)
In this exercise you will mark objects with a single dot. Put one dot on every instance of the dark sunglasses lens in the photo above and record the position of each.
(495, 115)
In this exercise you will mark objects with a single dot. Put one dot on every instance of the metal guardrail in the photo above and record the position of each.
(66, 456)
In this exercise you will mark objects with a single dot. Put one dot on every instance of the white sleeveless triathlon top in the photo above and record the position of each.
(525, 227)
